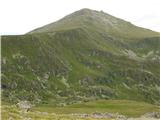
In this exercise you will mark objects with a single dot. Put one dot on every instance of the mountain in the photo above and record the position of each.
(97, 21)
(86, 55)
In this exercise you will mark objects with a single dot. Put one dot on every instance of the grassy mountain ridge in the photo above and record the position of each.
(97, 21)
(82, 57)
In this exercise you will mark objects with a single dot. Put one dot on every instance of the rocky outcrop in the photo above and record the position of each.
(24, 105)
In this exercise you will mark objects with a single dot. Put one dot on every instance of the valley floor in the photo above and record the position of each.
(101, 110)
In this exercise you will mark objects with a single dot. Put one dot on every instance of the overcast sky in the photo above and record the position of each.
(21, 16)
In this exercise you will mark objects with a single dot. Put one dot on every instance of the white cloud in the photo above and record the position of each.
(21, 16)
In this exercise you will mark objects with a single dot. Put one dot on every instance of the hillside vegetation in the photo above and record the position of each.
(85, 56)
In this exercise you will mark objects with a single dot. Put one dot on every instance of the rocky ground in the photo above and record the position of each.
(116, 116)
(143, 118)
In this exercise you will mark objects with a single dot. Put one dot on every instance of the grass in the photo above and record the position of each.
(125, 107)
(12, 112)
(44, 112)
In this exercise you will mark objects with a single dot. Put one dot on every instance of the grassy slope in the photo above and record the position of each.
(73, 59)
(81, 60)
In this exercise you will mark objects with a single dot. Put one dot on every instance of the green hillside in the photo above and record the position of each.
(85, 56)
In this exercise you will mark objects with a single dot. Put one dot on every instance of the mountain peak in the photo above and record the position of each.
(83, 12)
(86, 11)
(93, 20)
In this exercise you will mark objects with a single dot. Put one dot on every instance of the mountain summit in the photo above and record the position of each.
(97, 21)
(86, 55)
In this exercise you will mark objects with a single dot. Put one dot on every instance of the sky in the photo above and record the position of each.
(22, 16)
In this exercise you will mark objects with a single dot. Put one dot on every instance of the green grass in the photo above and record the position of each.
(125, 107)
(47, 112)
(11, 112)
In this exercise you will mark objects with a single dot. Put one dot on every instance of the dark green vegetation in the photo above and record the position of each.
(85, 56)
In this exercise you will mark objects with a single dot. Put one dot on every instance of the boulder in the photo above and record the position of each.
(24, 105)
